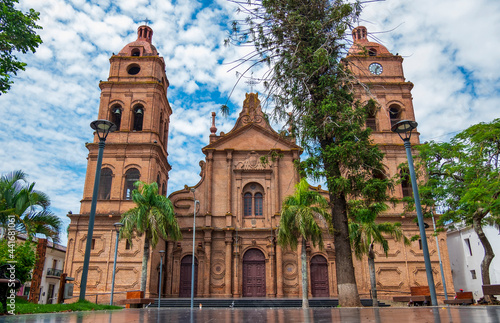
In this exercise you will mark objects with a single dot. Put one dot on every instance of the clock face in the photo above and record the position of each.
(375, 68)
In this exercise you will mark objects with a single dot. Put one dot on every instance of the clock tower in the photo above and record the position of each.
(134, 97)
(381, 78)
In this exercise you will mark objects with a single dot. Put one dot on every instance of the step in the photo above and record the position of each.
(253, 302)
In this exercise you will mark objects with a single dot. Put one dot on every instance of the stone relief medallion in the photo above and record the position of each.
(218, 272)
(290, 270)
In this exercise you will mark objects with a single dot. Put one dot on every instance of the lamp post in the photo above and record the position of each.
(162, 253)
(118, 226)
(193, 259)
(102, 128)
(440, 261)
(403, 129)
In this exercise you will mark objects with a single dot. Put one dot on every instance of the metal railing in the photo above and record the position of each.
(54, 272)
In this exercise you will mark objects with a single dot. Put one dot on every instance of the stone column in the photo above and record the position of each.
(236, 268)
(279, 271)
(228, 271)
(229, 207)
(208, 265)
(210, 156)
(169, 260)
(277, 197)
(272, 267)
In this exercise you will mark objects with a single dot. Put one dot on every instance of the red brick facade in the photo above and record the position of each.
(240, 198)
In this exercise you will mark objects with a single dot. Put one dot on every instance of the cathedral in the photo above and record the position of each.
(235, 249)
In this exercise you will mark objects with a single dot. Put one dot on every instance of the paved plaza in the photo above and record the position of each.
(443, 314)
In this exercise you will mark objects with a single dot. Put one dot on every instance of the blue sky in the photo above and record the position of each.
(450, 50)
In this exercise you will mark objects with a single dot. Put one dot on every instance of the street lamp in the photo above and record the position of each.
(102, 128)
(403, 129)
(194, 233)
(118, 226)
(162, 253)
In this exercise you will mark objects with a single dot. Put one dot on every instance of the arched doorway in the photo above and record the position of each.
(319, 277)
(185, 279)
(254, 274)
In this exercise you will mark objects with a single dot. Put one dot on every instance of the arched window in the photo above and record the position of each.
(372, 52)
(138, 117)
(116, 116)
(405, 183)
(247, 204)
(136, 52)
(253, 200)
(164, 189)
(158, 182)
(394, 114)
(105, 184)
(131, 176)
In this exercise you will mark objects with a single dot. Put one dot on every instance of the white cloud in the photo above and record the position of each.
(449, 49)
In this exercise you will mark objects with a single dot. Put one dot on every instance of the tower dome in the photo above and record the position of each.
(361, 45)
(142, 46)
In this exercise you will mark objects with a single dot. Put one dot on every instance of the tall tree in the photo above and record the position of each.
(17, 34)
(30, 207)
(311, 89)
(154, 217)
(365, 232)
(299, 219)
(464, 180)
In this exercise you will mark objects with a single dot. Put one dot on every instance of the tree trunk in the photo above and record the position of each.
(488, 251)
(305, 289)
(145, 259)
(373, 281)
(346, 279)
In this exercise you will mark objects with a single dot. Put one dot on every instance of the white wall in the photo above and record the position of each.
(462, 262)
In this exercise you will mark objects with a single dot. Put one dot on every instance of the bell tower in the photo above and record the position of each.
(382, 77)
(134, 97)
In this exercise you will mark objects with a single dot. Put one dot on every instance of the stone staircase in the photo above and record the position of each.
(253, 302)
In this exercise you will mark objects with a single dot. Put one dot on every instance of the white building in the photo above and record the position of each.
(52, 270)
(466, 254)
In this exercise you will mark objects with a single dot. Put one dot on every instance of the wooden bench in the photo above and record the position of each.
(419, 295)
(135, 299)
(461, 298)
(491, 290)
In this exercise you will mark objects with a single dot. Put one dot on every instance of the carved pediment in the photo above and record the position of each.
(253, 162)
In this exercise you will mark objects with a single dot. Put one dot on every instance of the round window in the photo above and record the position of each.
(133, 69)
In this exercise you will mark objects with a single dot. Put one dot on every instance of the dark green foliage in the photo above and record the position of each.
(301, 215)
(17, 34)
(24, 255)
(464, 180)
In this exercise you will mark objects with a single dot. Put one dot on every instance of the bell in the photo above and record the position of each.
(139, 111)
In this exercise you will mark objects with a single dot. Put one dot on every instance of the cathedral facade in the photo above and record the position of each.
(235, 249)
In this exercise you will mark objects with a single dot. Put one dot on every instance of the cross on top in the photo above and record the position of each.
(147, 21)
(252, 81)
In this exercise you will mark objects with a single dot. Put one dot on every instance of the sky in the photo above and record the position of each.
(450, 50)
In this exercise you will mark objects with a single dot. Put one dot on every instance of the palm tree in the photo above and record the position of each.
(299, 216)
(364, 232)
(29, 207)
(153, 216)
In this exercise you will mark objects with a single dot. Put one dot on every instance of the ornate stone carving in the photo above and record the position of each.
(253, 162)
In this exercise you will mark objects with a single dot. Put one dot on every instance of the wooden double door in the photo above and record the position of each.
(185, 279)
(319, 277)
(254, 274)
